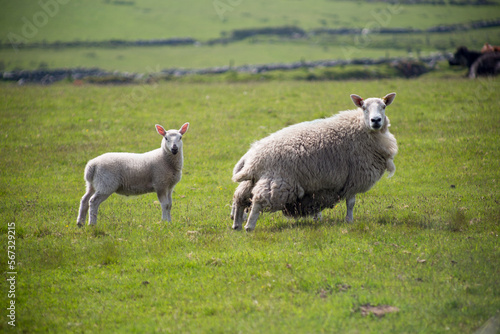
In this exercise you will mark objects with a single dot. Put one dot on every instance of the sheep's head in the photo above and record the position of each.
(172, 139)
(374, 109)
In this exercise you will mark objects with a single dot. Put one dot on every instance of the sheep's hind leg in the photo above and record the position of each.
(166, 205)
(84, 207)
(94, 203)
(350, 207)
(253, 216)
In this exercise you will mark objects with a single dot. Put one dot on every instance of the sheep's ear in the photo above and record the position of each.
(358, 101)
(161, 130)
(184, 128)
(389, 98)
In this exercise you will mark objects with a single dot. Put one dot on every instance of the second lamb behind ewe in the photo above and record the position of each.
(310, 166)
(135, 174)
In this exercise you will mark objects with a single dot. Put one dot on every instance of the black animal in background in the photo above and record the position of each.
(478, 63)
(487, 64)
(464, 57)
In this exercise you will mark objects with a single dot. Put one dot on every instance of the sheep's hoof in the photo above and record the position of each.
(80, 225)
(248, 229)
(236, 227)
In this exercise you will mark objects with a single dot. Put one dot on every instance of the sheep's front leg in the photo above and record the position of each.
(350, 207)
(165, 199)
(94, 203)
(84, 207)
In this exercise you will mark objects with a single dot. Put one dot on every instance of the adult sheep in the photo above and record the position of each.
(310, 166)
(135, 174)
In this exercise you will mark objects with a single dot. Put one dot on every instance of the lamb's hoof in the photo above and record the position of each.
(80, 225)
(248, 229)
(236, 227)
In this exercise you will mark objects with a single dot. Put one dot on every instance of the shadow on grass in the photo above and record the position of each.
(453, 220)
(281, 224)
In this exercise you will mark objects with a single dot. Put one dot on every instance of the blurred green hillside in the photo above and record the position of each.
(148, 19)
(102, 20)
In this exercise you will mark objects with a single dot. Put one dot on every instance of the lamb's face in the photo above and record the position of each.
(374, 109)
(172, 139)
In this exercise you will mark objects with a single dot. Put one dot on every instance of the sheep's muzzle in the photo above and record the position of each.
(376, 123)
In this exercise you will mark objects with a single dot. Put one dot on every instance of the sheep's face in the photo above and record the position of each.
(172, 139)
(374, 109)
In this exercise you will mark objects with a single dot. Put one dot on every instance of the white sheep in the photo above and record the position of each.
(135, 174)
(310, 166)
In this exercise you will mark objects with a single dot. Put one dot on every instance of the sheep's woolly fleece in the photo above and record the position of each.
(310, 166)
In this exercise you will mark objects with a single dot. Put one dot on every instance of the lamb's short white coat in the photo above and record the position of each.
(310, 166)
(135, 174)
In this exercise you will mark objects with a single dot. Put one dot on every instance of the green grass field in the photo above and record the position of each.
(424, 241)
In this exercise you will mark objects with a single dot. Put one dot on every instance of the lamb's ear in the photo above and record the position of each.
(389, 98)
(184, 128)
(161, 130)
(358, 101)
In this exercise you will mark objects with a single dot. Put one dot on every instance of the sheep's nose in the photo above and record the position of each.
(175, 150)
(376, 123)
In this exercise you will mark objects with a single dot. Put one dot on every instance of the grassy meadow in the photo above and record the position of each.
(424, 241)
(423, 245)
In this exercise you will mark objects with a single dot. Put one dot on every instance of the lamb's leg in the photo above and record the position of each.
(237, 215)
(350, 207)
(241, 200)
(233, 210)
(166, 204)
(94, 202)
(84, 207)
(253, 216)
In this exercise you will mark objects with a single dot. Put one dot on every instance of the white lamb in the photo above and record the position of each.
(135, 174)
(311, 166)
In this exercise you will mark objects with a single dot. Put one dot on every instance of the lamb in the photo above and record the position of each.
(310, 166)
(135, 174)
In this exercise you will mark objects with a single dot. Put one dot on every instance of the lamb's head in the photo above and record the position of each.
(374, 109)
(172, 139)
